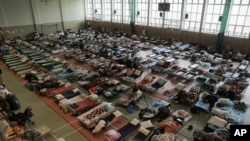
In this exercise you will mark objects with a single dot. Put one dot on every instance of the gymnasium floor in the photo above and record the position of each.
(45, 115)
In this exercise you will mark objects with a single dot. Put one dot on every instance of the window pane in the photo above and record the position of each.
(246, 31)
(195, 1)
(217, 9)
(211, 1)
(218, 2)
(208, 18)
(142, 7)
(212, 14)
(188, 8)
(247, 21)
(210, 9)
(240, 20)
(194, 11)
(243, 10)
(215, 19)
(245, 2)
(235, 10)
(236, 2)
(233, 20)
(238, 30)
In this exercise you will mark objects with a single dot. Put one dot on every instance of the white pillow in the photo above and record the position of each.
(75, 90)
(219, 112)
(118, 88)
(146, 124)
(59, 96)
(85, 71)
(147, 78)
(224, 101)
(144, 131)
(219, 122)
(160, 62)
(123, 87)
(117, 113)
(134, 121)
(93, 97)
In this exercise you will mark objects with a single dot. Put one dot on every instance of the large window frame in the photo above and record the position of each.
(127, 11)
(117, 11)
(213, 16)
(89, 9)
(97, 4)
(172, 18)
(142, 12)
(189, 15)
(156, 16)
(192, 15)
(106, 10)
(238, 24)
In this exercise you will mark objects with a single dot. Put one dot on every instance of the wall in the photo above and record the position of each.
(238, 44)
(25, 16)
(73, 13)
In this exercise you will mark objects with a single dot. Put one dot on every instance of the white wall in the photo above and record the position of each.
(16, 13)
(35, 12)
(2, 18)
(46, 12)
(72, 10)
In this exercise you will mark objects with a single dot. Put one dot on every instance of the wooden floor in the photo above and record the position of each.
(44, 117)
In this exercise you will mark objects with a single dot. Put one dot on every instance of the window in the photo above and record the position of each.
(173, 17)
(89, 10)
(117, 11)
(142, 12)
(156, 18)
(192, 15)
(127, 5)
(212, 16)
(97, 9)
(106, 10)
(239, 19)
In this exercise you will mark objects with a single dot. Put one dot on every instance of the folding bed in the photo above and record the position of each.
(70, 71)
(127, 99)
(153, 87)
(76, 106)
(124, 132)
(144, 133)
(206, 101)
(89, 119)
(132, 77)
(116, 90)
(214, 123)
(243, 65)
(67, 94)
(153, 110)
(172, 92)
(148, 79)
(191, 96)
(232, 111)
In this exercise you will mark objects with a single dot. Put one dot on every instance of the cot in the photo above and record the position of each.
(83, 105)
(206, 101)
(131, 78)
(127, 99)
(116, 90)
(172, 92)
(243, 65)
(233, 111)
(67, 94)
(160, 82)
(89, 118)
